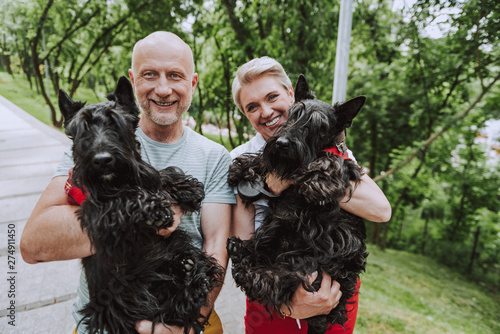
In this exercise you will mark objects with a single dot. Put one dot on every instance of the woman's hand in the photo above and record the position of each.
(277, 185)
(306, 304)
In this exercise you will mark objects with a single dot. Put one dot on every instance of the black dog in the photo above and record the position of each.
(135, 274)
(305, 230)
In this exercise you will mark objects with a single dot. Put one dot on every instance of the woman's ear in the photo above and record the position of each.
(292, 94)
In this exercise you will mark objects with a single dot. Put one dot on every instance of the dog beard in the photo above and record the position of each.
(286, 161)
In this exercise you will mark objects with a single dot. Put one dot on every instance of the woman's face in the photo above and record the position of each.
(265, 103)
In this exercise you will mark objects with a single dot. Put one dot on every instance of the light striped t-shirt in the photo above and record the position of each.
(196, 156)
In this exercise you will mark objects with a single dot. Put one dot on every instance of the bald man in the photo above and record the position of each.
(164, 81)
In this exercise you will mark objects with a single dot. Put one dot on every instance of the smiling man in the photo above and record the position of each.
(163, 77)
(164, 81)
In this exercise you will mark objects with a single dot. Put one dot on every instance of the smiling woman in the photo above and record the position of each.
(264, 102)
(263, 93)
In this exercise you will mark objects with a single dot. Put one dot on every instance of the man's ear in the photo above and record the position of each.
(302, 91)
(132, 79)
(194, 82)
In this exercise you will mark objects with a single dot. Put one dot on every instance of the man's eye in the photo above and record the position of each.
(273, 97)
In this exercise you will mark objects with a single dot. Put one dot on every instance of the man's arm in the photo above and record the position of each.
(242, 220)
(215, 223)
(53, 231)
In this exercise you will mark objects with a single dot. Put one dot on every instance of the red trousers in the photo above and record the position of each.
(258, 320)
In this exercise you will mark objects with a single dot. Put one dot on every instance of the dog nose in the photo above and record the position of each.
(282, 142)
(102, 160)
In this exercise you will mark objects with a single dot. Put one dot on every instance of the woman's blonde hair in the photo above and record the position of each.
(254, 69)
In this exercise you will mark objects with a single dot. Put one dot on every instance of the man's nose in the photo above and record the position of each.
(163, 87)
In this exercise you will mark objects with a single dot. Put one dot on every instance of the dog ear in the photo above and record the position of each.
(68, 107)
(302, 91)
(349, 109)
(124, 94)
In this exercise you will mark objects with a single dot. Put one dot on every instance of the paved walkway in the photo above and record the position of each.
(43, 294)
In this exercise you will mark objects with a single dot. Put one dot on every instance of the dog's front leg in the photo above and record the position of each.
(150, 212)
(318, 182)
(186, 191)
(248, 167)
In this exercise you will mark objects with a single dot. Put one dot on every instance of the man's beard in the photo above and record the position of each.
(163, 119)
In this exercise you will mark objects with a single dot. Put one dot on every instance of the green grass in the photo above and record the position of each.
(216, 138)
(407, 293)
(18, 91)
(400, 292)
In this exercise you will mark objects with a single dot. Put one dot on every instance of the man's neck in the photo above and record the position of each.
(166, 134)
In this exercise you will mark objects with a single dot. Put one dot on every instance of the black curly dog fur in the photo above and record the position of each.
(305, 230)
(135, 274)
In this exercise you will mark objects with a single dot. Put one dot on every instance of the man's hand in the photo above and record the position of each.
(177, 220)
(277, 185)
(144, 327)
(306, 304)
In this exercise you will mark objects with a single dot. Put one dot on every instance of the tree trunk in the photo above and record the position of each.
(474, 249)
(242, 34)
(424, 237)
(36, 65)
(6, 63)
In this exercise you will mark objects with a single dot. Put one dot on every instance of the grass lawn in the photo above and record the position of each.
(400, 292)
(17, 90)
(407, 293)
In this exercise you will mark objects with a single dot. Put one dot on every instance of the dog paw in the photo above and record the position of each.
(234, 249)
(189, 267)
(160, 220)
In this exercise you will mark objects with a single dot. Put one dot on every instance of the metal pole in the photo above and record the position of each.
(342, 56)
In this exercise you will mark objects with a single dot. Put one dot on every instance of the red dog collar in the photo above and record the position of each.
(74, 194)
(339, 150)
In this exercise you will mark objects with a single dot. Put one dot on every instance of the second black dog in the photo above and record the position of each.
(135, 274)
(306, 230)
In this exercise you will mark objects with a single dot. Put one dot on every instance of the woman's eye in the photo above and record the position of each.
(251, 108)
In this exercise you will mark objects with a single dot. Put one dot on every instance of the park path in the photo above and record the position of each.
(43, 293)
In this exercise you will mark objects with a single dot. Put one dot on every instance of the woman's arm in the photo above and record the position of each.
(367, 200)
